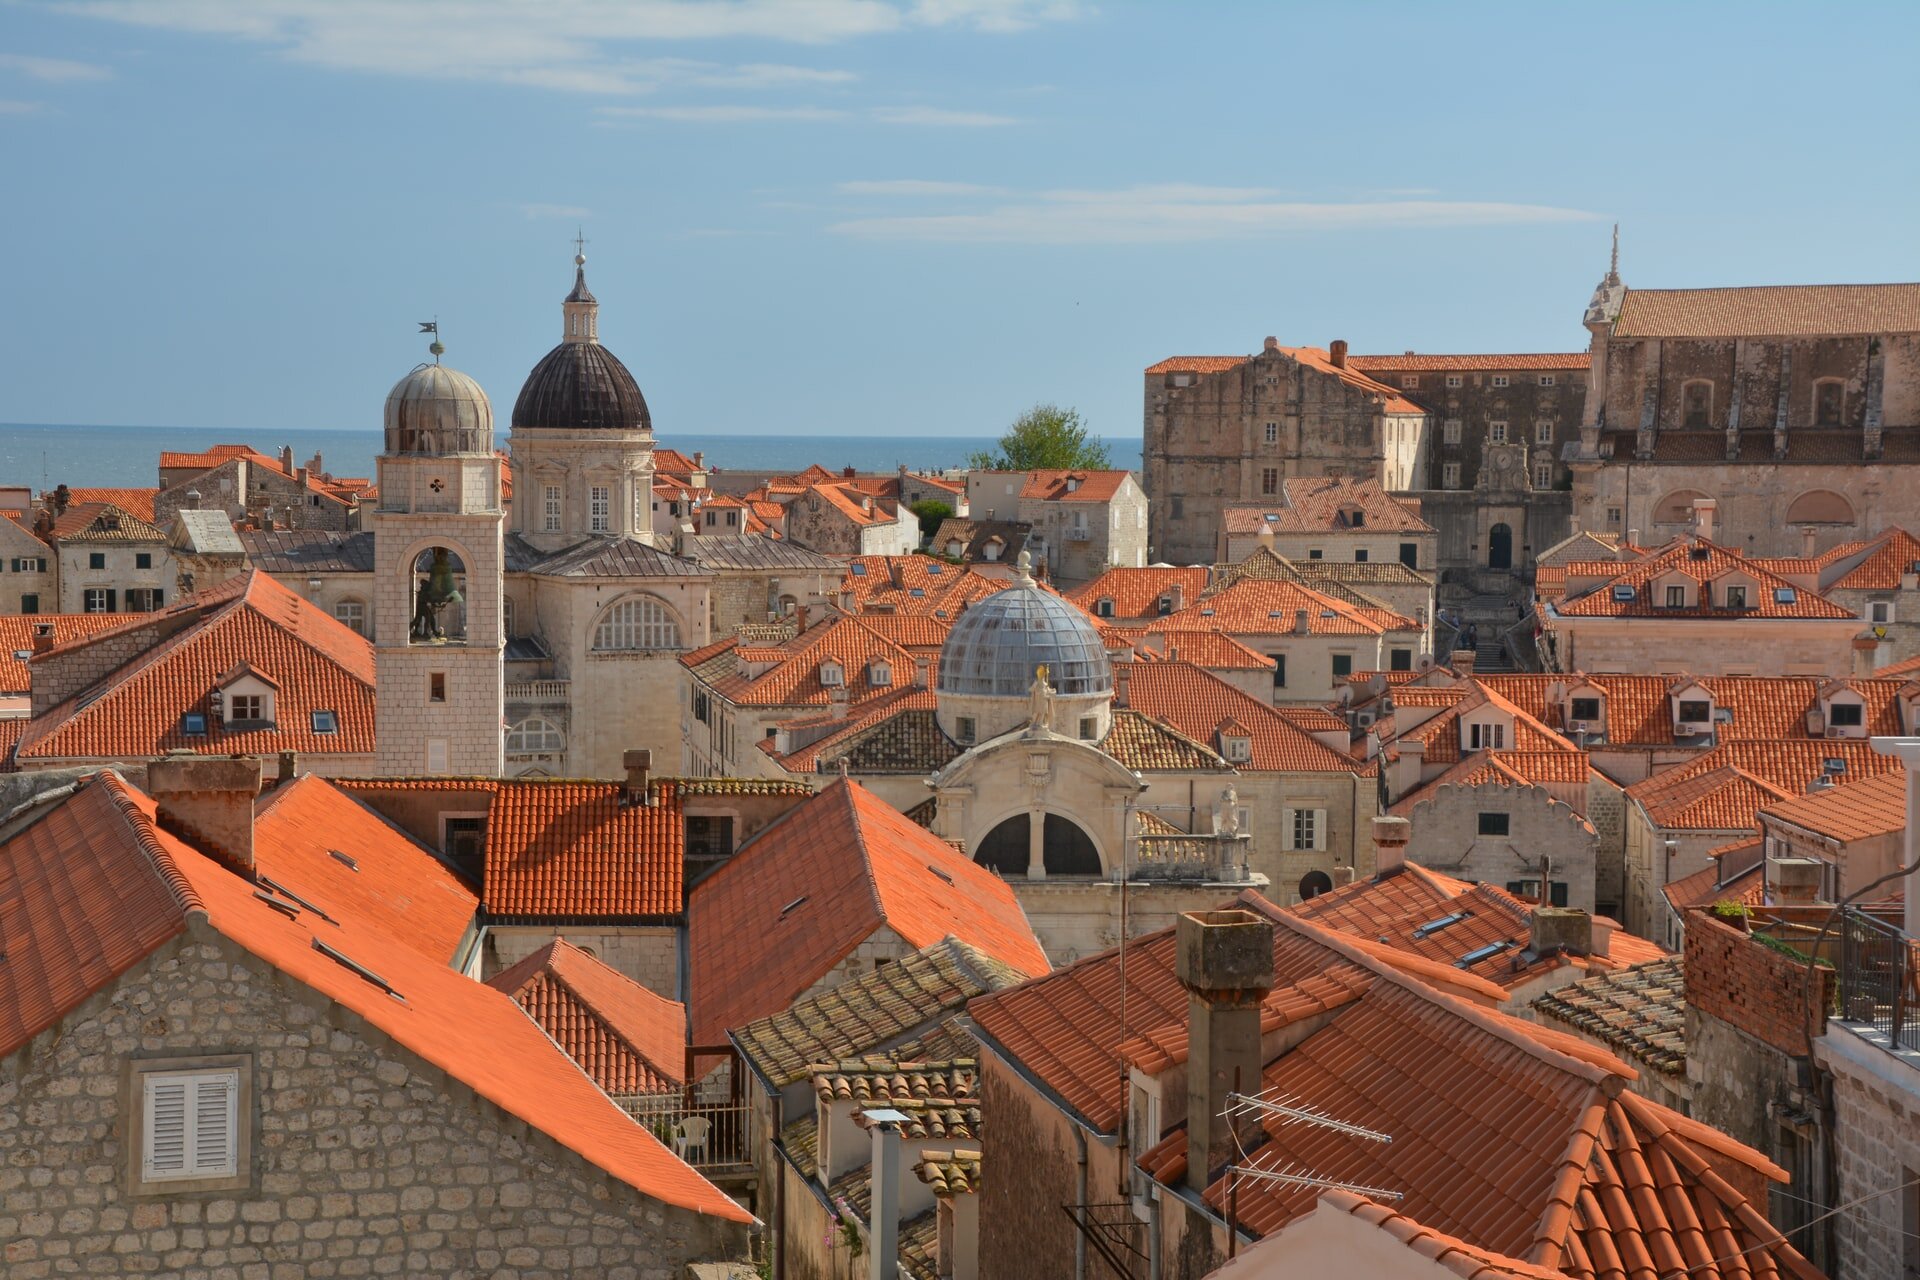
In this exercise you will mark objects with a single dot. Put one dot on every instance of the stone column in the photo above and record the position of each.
(1036, 843)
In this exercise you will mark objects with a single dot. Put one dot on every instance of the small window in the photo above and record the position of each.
(1494, 824)
(1400, 660)
(1676, 597)
(1693, 711)
(1342, 665)
(1543, 473)
(1696, 404)
(1546, 379)
(143, 559)
(599, 506)
(1486, 737)
(437, 687)
(1308, 829)
(1179, 507)
(1103, 607)
(1845, 715)
(1269, 480)
(243, 708)
(351, 614)
(1450, 431)
(1613, 515)
(1785, 595)
(1273, 433)
(189, 1125)
(550, 499)
(326, 722)
(1279, 670)
(832, 674)
(1543, 431)
(1450, 475)
(1454, 380)
(1499, 379)
(1585, 709)
(1880, 612)
(96, 559)
(193, 724)
(144, 599)
(1497, 432)
(1736, 597)
(1410, 554)
(535, 735)
(1828, 398)
(1409, 379)
(963, 727)
(1315, 553)
(1089, 728)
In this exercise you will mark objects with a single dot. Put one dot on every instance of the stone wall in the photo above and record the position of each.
(1537, 518)
(1446, 837)
(649, 954)
(1876, 1117)
(364, 1160)
(1606, 811)
(1523, 403)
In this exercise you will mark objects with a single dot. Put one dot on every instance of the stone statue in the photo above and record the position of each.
(1226, 814)
(1040, 703)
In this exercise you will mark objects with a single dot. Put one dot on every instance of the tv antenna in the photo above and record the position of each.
(1288, 1109)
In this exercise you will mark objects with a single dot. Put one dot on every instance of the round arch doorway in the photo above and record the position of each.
(1066, 850)
(1500, 547)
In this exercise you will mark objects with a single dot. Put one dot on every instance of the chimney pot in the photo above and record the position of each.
(1633, 537)
(922, 670)
(1225, 960)
(1337, 353)
(1122, 673)
(1704, 512)
(208, 801)
(1603, 931)
(1302, 622)
(43, 637)
(1795, 880)
(848, 472)
(1390, 838)
(638, 762)
(1462, 661)
(1561, 929)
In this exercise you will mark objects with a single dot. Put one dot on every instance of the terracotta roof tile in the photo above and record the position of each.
(1198, 364)
(1858, 810)
(137, 502)
(1722, 799)
(792, 674)
(136, 711)
(917, 585)
(16, 639)
(1194, 701)
(1756, 773)
(627, 1039)
(1369, 572)
(1774, 311)
(1073, 486)
(1721, 882)
(1144, 744)
(1312, 357)
(1640, 1010)
(892, 734)
(90, 522)
(1893, 556)
(876, 1009)
(1136, 593)
(801, 895)
(1264, 607)
(1211, 650)
(1421, 362)
(1326, 504)
(385, 880)
(1768, 594)
(1639, 709)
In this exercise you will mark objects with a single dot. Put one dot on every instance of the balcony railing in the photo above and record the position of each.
(542, 691)
(1880, 979)
(711, 1136)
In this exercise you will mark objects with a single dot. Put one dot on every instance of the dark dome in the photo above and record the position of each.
(581, 386)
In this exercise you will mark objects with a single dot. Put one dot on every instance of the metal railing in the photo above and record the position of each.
(706, 1135)
(1880, 979)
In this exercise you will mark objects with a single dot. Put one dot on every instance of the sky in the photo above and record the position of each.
(895, 217)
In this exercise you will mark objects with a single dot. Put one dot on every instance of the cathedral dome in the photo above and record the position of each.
(580, 385)
(435, 409)
(996, 645)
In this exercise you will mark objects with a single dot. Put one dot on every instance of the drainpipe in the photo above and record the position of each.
(1153, 1232)
(1080, 1198)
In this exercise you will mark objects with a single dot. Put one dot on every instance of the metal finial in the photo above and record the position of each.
(579, 247)
(433, 327)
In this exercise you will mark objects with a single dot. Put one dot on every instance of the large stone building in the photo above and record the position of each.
(1078, 523)
(1221, 430)
(1797, 407)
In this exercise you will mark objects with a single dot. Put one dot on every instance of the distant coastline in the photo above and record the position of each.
(42, 456)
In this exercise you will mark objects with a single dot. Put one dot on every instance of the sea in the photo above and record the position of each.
(126, 457)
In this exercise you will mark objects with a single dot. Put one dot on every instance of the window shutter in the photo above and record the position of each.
(159, 597)
(166, 1129)
(113, 600)
(1286, 826)
(213, 1125)
(1319, 830)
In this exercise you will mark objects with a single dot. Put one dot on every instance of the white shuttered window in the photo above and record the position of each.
(1306, 829)
(192, 1124)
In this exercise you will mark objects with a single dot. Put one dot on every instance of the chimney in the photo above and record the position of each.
(1633, 537)
(1271, 344)
(638, 762)
(1461, 660)
(208, 801)
(1603, 931)
(1302, 622)
(62, 499)
(1806, 541)
(1176, 597)
(1225, 961)
(1795, 881)
(799, 618)
(1560, 929)
(922, 670)
(883, 1225)
(699, 460)
(193, 499)
(1122, 673)
(43, 637)
(1408, 768)
(1390, 837)
(1337, 353)
(848, 473)
(286, 458)
(289, 767)
(837, 701)
(1704, 512)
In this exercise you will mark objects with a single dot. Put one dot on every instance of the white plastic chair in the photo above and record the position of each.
(690, 1138)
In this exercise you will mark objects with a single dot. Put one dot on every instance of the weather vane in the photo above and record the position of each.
(433, 327)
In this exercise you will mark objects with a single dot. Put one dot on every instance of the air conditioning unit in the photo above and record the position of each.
(1578, 726)
(1835, 731)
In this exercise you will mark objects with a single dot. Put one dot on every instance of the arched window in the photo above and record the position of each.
(535, 734)
(351, 612)
(1677, 507)
(1820, 506)
(639, 623)
(1066, 850)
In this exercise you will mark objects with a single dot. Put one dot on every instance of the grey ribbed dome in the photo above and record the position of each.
(581, 385)
(996, 645)
(435, 409)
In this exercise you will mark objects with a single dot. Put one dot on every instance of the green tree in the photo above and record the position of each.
(1045, 438)
(931, 512)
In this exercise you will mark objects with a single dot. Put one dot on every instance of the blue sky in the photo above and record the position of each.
(895, 217)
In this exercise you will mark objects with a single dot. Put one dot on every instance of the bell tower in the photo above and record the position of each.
(438, 527)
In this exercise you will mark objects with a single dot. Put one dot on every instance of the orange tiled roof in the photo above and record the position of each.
(1198, 364)
(472, 1033)
(1639, 710)
(665, 459)
(629, 1040)
(867, 511)
(384, 880)
(1458, 1256)
(1265, 606)
(801, 895)
(1909, 668)
(137, 502)
(1774, 311)
(908, 630)
(136, 711)
(16, 638)
(1861, 810)
(1213, 650)
(1420, 362)
(1894, 555)
(1700, 561)
(1194, 701)
(1722, 799)
(1073, 486)
(793, 679)
(1756, 773)
(854, 729)
(1322, 504)
(171, 460)
(1707, 886)
(88, 522)
(1136, 593)
(1313, 357)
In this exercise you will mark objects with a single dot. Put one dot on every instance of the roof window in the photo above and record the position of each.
(1624, 594)
(1785, 595)
(857, 570)
(784, 911)
(326, 722)
(194, 724)
(1434, 926)
(1478, 954)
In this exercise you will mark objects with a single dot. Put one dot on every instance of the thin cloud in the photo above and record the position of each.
(15, 107)
(939, 117)
(917, 187)
(734, 113)
(574, 211)
(1174, 213)
(53, 70)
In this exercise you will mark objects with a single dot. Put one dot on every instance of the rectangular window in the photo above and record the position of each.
(30, 603)
(1360, 555)
(1543, 474)
(97, 600)
(1586, 709)
(1308, 830)
(599, 502)
(1315, 553)
(243, 708)
(325, 722)
(1089, 728)
(1676, 597)
(96, 559)
(1179, 508)
(1543, 431)
(1269, 480)
(142, 599)
(1342, 665)
(1613, 515)
(963, 726)
(1695, 712)
(1279, 670)
(1880, 612)
(1696, 404)
(1410, 554)
(1497, 432)
(1400, 660)
(1493, 824)
(189, 1125)
(1546, 379)
(1486, 737)
(437, 686)
(351, 614)
(550, 497)
(1450, 431)
(1499, 379)
(1845, 715)
(1826, 403)
(143, 559)
(1453, 380)
(1273, 433)
(193, 724)
(1736, 597)
(1409, 379)
(1450, 475)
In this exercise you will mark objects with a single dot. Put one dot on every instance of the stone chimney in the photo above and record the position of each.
(848, 473)
(1704, 513)
(289, 767)
(43, 639)
(208, 802)
(1390, 838)
(638, 762)
(286, 458)
(1461, 660)
(1225, 961)
(1795, 881)
(1633, 537)
(837, 701)
(1176, 597)
(1122, 673)
(62, 499)
(1337, 353)
(922, 671)
(1561, 929)
(1603, 931)
(1408, 768)
(1302, 622)
(193, 499)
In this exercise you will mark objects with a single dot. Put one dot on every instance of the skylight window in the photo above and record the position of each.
(857, 570)
(792, 905)
(326, 722)
(916, 592)
(1785, 595)
(1478, 954)
(1434, 926)
(935, 569)
(1625, 595)
(194, 724)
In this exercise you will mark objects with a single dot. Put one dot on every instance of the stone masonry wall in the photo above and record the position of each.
(1876, 1116)
(364, 1160)
(1751, 986)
